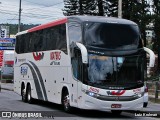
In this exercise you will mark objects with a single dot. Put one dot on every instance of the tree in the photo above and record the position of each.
(156, 20)
(71, 7)
(132, 10)
(135, 10)
(84, 7)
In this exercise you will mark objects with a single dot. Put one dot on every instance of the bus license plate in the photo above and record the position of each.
(116, 106)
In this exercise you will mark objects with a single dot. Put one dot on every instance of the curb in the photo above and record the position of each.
(6, 89)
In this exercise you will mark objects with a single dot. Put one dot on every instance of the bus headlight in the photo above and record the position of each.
(92, 94)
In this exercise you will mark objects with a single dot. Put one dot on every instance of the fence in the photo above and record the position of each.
(154, 89)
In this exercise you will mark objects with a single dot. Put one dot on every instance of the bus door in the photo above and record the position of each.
(78, 73)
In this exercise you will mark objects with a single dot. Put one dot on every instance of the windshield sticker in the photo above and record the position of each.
(120, 60)
(98, 57)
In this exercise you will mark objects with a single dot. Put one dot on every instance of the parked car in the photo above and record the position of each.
(145, 97)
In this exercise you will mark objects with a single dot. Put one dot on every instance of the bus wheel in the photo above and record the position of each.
(66, 102)
(29, 97)
(23, 94)
(116, 112)
(145, 104)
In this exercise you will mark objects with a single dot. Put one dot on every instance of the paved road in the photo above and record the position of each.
(10, 101)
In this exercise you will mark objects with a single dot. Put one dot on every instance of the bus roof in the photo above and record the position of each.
(80, 19)
(50, 24)
(43, 26)
(101, 19)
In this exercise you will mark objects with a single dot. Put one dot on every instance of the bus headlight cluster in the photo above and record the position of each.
(92, 94)
(139, 95)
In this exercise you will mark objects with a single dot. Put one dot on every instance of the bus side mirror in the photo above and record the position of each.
(84, 52)
(151, 56)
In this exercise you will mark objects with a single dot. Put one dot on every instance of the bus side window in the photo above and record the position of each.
(17, 44)
(75, 33)
(76, 61)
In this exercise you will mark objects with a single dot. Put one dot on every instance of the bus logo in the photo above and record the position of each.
(118, 93)
(38, 56)
(95, 90)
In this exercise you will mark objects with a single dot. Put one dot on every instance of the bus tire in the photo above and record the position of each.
(28, 95)
(145, 104)
(23, 93)
(66, 102)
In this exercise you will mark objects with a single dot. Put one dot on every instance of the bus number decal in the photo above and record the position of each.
(24, 70)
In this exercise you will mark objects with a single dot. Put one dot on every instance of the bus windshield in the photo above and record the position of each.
(116, 72)
(112, 36)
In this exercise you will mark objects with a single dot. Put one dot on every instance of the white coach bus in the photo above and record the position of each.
(87, 62)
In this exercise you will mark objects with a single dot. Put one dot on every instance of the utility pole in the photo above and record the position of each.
(19, 20)
(119, 8)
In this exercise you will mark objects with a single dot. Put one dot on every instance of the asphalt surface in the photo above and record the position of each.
(152, 108)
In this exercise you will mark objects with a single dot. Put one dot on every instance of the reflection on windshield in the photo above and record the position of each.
(112, 36)
(101, 66)
(104, 70)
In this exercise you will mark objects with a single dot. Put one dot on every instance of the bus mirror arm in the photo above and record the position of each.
(151, 55)
(84, 52)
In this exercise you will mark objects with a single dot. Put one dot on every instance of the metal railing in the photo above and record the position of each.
(154, 88)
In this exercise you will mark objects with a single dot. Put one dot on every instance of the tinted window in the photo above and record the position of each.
(126, 71)
(112, 36)
(53, 38)
(75, 32)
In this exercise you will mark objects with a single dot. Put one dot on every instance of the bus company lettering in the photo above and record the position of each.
(138, 90)
(55, 55)
(95, 90)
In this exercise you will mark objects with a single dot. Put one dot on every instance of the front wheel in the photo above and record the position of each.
(145, 104)
(66, 102)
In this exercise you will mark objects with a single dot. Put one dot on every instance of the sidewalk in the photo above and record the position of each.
(153, 108)
(7, 86)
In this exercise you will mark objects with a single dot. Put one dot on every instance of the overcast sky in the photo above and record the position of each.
(33, 11)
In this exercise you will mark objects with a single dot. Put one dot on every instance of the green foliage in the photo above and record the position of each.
(84, 7)
(132, 10)
(156, 21)
(71, 7)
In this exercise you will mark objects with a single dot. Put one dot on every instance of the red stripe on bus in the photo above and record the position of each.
(47, 25)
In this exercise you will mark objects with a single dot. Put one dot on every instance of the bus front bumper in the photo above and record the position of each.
(92, 103)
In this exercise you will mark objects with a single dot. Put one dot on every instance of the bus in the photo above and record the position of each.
(7, 64)
(87, 62)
